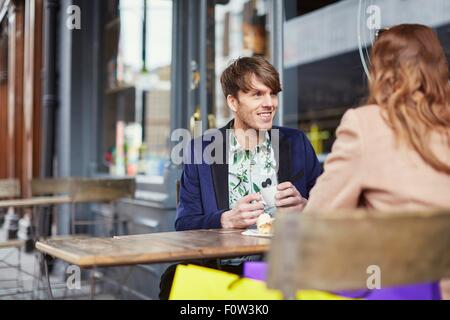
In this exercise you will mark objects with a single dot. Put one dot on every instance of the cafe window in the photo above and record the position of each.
(137, 44)
(241, 29)
(326, 56)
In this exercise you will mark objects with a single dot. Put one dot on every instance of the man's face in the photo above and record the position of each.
(256, 108)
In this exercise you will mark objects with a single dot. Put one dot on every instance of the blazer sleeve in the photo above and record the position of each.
(340, 185)
(190, 213)
(313, 166)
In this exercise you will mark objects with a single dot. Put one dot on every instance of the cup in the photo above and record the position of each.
(268, 195)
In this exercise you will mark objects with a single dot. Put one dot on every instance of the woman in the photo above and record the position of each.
(394, 153)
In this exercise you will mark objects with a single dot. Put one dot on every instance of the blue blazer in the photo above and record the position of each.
(203, 193)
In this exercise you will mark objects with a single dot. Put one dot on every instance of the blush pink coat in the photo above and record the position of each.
(367, 168)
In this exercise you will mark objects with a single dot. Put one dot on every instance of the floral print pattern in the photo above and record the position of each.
(249, 170)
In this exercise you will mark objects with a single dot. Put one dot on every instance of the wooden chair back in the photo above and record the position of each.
(9, 188)
(86, 189)
(342, 250)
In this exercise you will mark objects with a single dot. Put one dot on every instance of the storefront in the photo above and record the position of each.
(121, 76)
(150, 67)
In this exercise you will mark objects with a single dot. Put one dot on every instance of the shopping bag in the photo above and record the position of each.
(193, 282)
(423, 291)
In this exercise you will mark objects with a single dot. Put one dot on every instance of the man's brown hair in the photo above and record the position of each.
(237, 76)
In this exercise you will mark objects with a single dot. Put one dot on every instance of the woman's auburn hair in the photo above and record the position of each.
(410, 82)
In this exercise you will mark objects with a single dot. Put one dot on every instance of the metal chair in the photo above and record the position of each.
(48, 187)
(85, 190)
(342, 250)
(105, 191)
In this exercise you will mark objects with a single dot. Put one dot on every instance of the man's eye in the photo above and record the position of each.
(257, 93)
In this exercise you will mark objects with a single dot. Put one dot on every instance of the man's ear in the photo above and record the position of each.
(232, 102)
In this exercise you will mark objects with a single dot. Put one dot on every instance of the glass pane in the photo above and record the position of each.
(241, 29)
(326, 55)
(136, 111)
(158, 86)
(130, 45)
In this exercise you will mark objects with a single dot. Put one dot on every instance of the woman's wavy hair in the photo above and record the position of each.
(410, 82)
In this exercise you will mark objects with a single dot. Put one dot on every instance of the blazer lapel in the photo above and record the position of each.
(282, 152)
(220, 174)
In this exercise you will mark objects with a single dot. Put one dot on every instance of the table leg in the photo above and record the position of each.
(44, 265)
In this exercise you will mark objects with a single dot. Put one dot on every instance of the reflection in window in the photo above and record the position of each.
(158, 86)
(241, 29)
(138, 45)
(323, 66)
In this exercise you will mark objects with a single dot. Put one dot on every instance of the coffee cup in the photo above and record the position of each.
(268, 195)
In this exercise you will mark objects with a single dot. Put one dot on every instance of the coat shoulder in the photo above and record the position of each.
(372, 112)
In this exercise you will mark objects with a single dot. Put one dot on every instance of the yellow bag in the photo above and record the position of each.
(193, 282)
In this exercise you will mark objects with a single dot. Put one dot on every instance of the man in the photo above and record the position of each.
(226, 194)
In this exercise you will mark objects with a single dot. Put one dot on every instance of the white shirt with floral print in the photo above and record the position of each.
(250, 170)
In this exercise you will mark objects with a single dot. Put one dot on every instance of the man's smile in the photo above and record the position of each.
(266, 115)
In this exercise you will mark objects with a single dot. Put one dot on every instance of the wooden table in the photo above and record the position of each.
(154, 248)
(149, 248)
(35, 201)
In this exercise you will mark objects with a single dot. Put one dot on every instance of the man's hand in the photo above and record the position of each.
(289, 197)
(244, 214)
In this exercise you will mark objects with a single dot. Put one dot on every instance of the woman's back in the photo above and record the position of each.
(398, 177)
(369, 168)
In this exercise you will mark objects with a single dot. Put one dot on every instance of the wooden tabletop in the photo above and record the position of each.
(154, 248)
(35, 201)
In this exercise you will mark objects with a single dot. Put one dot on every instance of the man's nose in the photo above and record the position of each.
(268, 102)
